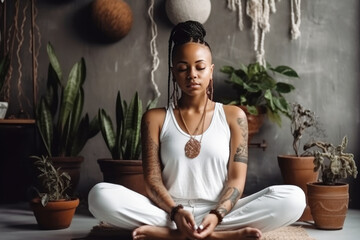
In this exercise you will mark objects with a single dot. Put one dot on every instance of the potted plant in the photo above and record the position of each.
(124, 144)
(329, 198)
(259, 93)
(298, 169)
(63, 129)
(4, 67)
(53, 208)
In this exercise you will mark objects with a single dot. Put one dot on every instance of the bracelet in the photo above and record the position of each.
(218, 215)
(174, 211)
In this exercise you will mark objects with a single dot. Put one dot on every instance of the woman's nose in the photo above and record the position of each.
(192, 74)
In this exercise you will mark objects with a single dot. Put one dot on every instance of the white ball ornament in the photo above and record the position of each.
(184, 10)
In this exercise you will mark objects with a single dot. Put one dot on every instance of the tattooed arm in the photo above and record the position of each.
(237, 167)
(150, 131)
(150, 134)
(238, 160)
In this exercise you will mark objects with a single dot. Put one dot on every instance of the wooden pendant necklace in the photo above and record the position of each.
(193, 146)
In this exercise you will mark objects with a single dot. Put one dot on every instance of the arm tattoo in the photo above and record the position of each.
(229, 197)
(151, 163)
(241, 154)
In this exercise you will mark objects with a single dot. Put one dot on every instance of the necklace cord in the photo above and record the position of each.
(202, 120)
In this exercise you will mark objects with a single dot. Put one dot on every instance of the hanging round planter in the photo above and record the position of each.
(255, 122)
(184, 10)
(55, 215)
(298, 171)
(128, 173)
(328, 204)
(113, 18)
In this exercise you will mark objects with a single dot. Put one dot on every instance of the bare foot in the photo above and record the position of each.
(240, 234)
(147, 232)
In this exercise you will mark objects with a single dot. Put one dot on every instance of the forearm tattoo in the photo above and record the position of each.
(151, 163)
(228, 199)
(241, 154)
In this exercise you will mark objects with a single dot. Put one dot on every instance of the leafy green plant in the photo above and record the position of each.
(53, 183)
(333, 163)
(4, 67)
(256, 85)
(62, 127)
(125, 142)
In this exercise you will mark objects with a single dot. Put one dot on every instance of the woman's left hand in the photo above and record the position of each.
(207, 226)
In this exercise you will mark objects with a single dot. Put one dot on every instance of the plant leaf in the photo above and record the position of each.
(54, 61)
(285, 70)
(107, 132)
(284, 87)
(45, 125)
(70, 93)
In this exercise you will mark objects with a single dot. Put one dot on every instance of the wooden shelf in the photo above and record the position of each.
(17, 121)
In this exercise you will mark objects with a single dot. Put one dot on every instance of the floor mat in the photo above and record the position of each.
(287, 233)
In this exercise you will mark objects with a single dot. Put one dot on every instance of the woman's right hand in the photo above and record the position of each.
(185, 223)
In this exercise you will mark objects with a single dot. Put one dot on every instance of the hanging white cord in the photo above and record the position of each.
(153, 49)
(259, 12)
(233, 5)
(295, 19)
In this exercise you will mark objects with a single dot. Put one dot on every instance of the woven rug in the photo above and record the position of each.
(108, 233)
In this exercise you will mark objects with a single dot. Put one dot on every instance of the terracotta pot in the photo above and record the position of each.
(328, 204)
(255, 122)
(55, 215)
(298, 171)
(72, 166)
(128, 173)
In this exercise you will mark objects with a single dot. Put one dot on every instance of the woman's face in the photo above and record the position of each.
(192, 68)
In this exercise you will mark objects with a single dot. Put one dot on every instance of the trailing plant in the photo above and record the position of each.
(256, 86)
(62, 127)
(333, 162)
(124, 142)
(53, 183)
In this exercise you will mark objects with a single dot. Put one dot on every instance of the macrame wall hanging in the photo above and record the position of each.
(259, 12)
(153, 48)
(183, 10)
(21, 41)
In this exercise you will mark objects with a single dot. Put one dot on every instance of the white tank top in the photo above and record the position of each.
(202, 177)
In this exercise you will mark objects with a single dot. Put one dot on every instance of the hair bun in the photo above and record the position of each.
(188, 31)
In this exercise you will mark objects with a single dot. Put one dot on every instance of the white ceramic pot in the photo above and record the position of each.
(3, 109)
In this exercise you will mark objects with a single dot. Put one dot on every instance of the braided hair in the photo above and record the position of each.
(184, 32)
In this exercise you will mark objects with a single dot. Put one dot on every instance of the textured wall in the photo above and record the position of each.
(326, 56)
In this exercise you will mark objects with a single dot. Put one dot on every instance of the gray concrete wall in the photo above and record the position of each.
(326, 56)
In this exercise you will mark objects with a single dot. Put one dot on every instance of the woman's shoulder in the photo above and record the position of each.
(155, 115)
(232, 111)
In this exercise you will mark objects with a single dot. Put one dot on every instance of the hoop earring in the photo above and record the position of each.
(210, 90)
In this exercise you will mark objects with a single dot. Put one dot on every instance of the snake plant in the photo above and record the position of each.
(62, 127)
(125, 142)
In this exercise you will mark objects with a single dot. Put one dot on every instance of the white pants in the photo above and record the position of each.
(268, 209)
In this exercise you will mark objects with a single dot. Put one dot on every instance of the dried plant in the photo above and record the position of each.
(301, 119)
(53, 182)
(340, 165)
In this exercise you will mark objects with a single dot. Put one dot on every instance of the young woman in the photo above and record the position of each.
(195, 155)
